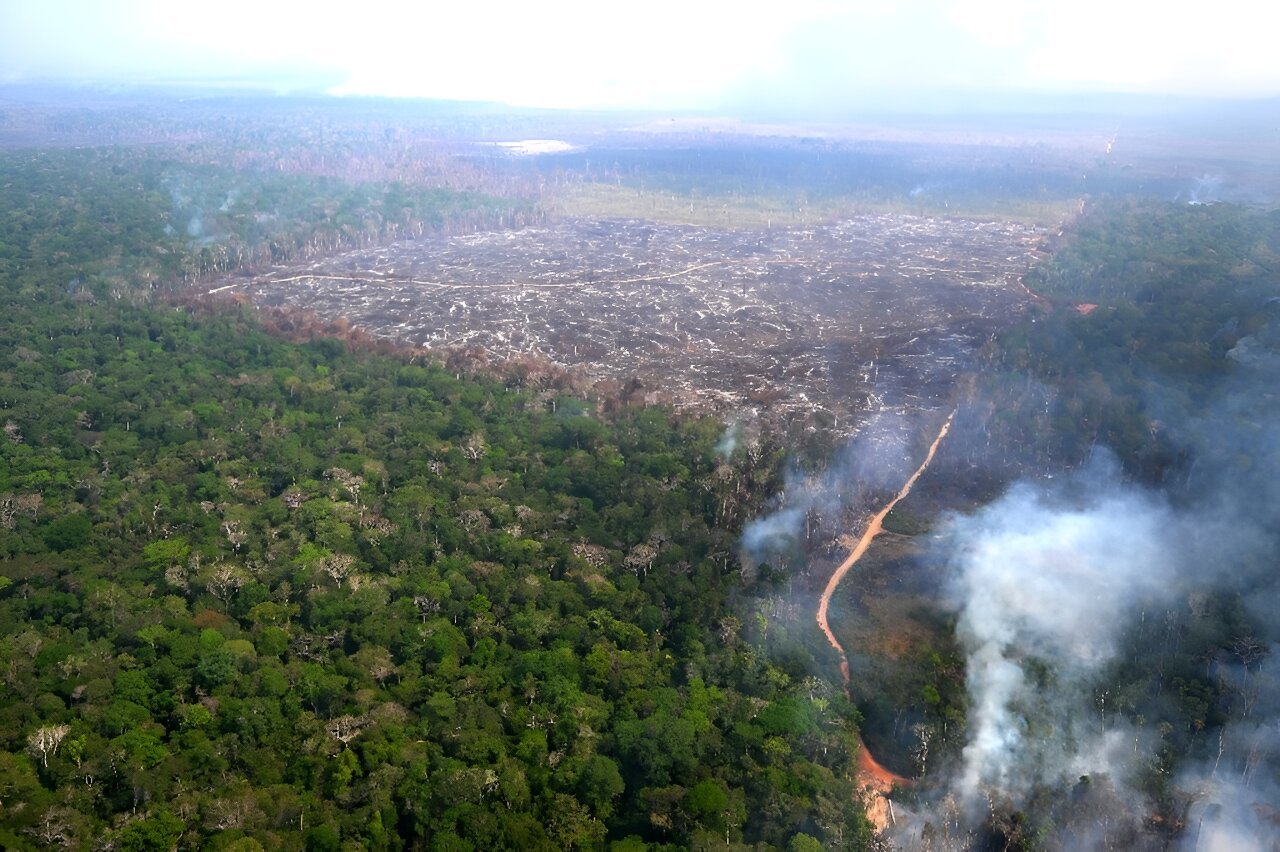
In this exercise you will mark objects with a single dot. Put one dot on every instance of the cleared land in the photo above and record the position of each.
(869, 312)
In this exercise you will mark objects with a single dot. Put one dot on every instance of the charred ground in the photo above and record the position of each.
(843, 318)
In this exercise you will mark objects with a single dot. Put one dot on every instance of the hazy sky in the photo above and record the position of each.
(656, 53)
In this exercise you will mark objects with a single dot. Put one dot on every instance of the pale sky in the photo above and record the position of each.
(664, 54)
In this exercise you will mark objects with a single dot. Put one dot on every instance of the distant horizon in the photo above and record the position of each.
(809, 57)
(938, 105)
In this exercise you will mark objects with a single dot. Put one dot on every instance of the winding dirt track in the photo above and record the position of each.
(870, 773)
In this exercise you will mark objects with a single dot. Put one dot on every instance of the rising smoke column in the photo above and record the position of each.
(1044, 584)
(876, 460)
(1234, 783)
(728, 442)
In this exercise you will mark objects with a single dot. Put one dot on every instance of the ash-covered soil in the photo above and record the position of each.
(861, 314)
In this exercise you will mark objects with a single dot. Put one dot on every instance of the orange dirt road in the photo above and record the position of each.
(871, 775)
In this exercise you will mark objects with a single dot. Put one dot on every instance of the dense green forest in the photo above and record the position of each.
(1162, 294)
(129, 218)
(264, 594)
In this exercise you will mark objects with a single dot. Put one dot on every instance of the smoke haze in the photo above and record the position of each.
(1051, 584)
(1044, 583)
(875, 460)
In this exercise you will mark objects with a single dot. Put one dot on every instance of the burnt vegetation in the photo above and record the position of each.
(837, 321)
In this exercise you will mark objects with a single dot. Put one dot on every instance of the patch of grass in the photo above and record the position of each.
(750, 212)
(904, 522)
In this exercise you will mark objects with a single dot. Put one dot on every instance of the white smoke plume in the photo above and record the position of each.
(1049, 581)
(1044, 586)
(877, 459)
(1205, 189)
(729, 440)
(1235, 797)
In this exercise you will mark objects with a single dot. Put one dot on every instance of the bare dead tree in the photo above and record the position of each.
(45, 741)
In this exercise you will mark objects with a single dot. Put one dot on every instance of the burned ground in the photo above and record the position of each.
(856, 315)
